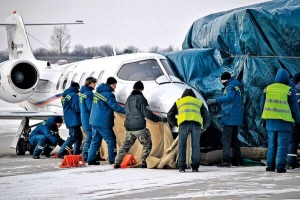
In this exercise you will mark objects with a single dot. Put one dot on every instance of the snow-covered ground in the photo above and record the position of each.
(22, 177)
(104, 182)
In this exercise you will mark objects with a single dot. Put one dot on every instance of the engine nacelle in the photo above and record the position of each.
(18, 78)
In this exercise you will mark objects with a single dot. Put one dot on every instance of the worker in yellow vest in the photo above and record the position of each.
(280, 110)
(192, 116)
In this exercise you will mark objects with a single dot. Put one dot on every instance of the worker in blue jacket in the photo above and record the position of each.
(102, 120)
(85, 102)
(46, 133)
(280, 110)
(70, 103)
(232, 117)
(295, 137)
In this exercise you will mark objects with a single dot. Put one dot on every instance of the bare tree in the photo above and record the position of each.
(154, 49)
(170, 49)
(131, 49)
(41, 52)
(3, 55)
(60, 39)
(106, 50)
(78, 50)
(93, 51)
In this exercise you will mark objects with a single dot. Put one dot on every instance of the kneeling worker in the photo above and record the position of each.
(191, 116)
(137, 108)
(46, 133)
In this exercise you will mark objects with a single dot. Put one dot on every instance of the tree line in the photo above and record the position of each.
(60, 49)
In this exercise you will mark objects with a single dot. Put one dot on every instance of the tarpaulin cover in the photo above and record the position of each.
(251, 43)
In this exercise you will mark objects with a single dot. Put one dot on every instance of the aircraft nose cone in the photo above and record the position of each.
(162, 97)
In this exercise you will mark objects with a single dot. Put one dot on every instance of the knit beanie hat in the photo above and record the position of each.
(225, 76)
(58, 119)
(138, 85)
(296, 77)
(75, 85)
(111, 80)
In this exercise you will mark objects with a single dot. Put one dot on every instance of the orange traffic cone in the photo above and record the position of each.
(128, 161)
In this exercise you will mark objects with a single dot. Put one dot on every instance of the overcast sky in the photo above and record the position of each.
(141, 23)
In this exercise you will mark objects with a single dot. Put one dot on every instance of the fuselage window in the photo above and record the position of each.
(100, 77)
(145, 70)
(82, 78)
(92, 74)
(73, 79)
(65, 81)
(58, 82)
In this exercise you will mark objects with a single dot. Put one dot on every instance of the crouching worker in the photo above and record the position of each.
(191, 116)
(137, 108)
(45, 134)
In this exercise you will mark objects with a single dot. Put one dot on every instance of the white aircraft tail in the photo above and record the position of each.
(17, 41)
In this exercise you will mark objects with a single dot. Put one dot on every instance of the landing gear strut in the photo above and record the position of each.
(21, 141)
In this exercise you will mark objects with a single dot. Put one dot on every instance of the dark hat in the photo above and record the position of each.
(296, 77)
(188, 92)
(75, 85)
(90, 80)
(138, 85)
(225, 76)
(58, 119)
(111, 80)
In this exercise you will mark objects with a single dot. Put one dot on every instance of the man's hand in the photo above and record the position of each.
(211, 101)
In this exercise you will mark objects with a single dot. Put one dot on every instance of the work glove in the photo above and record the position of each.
(211, 101)
(164, 119)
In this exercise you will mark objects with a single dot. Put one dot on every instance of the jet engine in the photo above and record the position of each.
(18, 78)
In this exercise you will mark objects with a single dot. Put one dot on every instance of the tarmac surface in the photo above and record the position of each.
(22, 177)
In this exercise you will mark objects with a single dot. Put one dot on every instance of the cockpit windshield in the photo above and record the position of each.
(167, 67)
(145, 70)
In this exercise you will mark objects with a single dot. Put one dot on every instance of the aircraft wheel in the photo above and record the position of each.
(21, 147)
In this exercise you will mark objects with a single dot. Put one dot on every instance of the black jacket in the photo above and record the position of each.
(137, 108)
(174, 111)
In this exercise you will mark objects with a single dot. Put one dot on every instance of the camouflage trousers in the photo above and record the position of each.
(144, 138)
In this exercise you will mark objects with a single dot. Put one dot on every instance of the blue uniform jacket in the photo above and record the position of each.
(282, 76)
(103, 107)
(70, 102)
(231, 103)
(47, 128)
(85, 103)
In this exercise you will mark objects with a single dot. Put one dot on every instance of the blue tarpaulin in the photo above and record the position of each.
(251, 43)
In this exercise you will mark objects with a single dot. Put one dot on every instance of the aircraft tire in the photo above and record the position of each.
(21, 147)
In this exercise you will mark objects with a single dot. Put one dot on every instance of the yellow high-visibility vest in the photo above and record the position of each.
(276, 103)
(189, 110)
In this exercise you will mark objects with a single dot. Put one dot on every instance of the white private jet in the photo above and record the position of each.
(37, 86)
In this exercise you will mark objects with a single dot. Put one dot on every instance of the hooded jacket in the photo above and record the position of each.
(85, 103)
(174, 111)
(70, 103)
(103, 107)
(137, 108)
(231, 103)
(282, 76)
(47, 128)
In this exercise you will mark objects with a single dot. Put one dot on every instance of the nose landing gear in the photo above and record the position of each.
(23, 143)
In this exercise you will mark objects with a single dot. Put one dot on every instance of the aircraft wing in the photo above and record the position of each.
(21, 114)
(7, 23)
